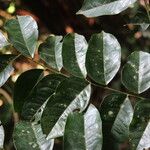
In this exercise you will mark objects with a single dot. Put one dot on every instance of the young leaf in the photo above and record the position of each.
(23, 34)
(3, 41)
(72, 94)
(97, 8)
(24, 85)
(116, 113)
(83, 132)
(51, 52)
(140, 126)
(74, 53)
(136, 72)
(39, 95)
(27, 137)
(1, 136)
(6, 67)
(103, 57)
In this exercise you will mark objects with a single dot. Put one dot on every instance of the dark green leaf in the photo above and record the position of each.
(39, 95)
(95, 8)
(6, 67)
(24, 85)
(140, 126)
(3, 41)
(1, 136)
(23, 34)
(29, 137)
(136, 72)
(51, 52)
(72, 94)
(74, 53)
(103, 57)
(83, 132)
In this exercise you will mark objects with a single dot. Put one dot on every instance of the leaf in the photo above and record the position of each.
(83, 132)
(6, 67)
(51, 52)
(72, 94)
(39, 95)
(136, 72)
(23, 87)
(23, 34)
(103, 57)
(140, 126)
(97, 8)
(1, 136)
(74, 53)
(3, 41)
(116, 113)
(27, 137)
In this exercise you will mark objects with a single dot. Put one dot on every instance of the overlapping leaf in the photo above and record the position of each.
(3, 41)
(95, 8)
(140, 126)
(1, 136)
(136, 72)
(6, 67)
(83, 131)
(23, 34)
(51, 52)
(103, 57)
(74, 53)
(72, 94)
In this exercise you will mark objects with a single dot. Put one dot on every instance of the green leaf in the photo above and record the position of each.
(140, 126)
(103, 57)
(1, 136)
(29, 137)
(83, 132)
(23, 34)
(51, 52)
(72, 94)
(74, 53)
(136, 72)
(3, 41)
(116, 113)
(24, 85)
(6, 67)
(97, 8)
(39, 95)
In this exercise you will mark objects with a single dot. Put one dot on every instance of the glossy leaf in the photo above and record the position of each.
(39, 95)
(3, 41)
(83, 132)
(6, 67)
(27, 137)
(23, 34)
(74, 53)
(72, 94)
(97, 8)
(1, 136)
(24, 85)
(116, 113)
(140, 126)
(51, 52)
(103, 57)
(136, 72)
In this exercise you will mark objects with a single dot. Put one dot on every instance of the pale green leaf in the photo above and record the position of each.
(1, 136)
(3, 41)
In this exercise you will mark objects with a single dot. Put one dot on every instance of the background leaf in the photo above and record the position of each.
(136, 72)
(83, 131)
(103, 57)
(72, 94)
(23, 34)
(1, 136)
(74, 53)
(3, 41)
(6, 67)
(97, 8)
(51, 52)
